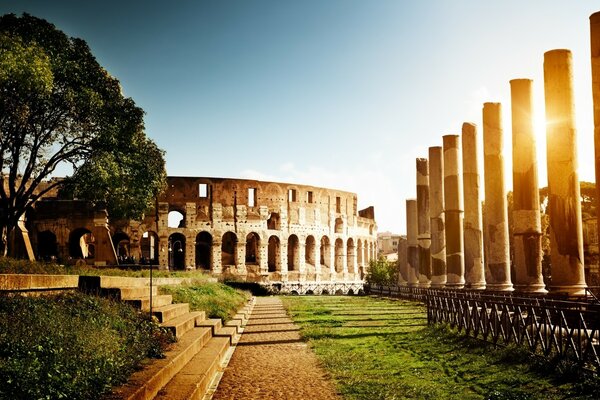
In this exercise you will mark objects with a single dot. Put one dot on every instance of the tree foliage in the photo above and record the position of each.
(382, 272)
(59, 106)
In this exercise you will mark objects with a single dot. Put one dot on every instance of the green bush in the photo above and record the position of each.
(382, 272)
(71, 346)
(216, 299)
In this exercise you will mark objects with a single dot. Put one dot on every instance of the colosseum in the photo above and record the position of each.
(298, 238)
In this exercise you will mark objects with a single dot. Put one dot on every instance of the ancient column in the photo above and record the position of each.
(497, 273)
(566, 236)
(402, 262)
(436, 214)
(411, 237)
(423, 234)
(595, 52)
(527, 225)
(473, 225)
(453, 212)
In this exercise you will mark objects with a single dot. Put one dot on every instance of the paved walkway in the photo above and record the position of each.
(272, 362)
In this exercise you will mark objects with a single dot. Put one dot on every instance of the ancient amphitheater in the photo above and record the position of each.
(299, 238)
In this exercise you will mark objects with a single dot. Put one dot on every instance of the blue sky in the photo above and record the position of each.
(336, 93)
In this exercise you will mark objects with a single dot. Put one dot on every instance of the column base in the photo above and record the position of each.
(499, 287)
(571, 290)
(424, 285)
(455, 285)
(534, 288)
(438, 282)
(476, 286)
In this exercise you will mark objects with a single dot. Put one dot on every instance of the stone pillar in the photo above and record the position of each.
(595, 52)
(423, 233)
(402, 262)
(566, 235)
(190, 253)
(473, 225)
(497, 273)
(317, 260)
(453, 213)
(264, 257)
(527, 225)
(217, 266)
(436, 215)
(413, 247)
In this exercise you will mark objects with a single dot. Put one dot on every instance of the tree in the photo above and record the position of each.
(59, 106)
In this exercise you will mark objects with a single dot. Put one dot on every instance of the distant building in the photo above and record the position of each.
(387, 243)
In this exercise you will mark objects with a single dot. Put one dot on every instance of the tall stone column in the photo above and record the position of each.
(402, 262)
(566, 235)
(473, 225)
(527, 225)
(413, 244)
(497, 274)
(423, 233)
(595, 52)
(436, 215)
(453, 213)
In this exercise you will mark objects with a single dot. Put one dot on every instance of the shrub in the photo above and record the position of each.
(71, 346)
(382, 272)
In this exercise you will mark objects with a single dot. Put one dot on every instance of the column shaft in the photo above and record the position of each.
(411, 237)
(402, 262)
(566, 235)
(595, 55)
(454, 208)
(497, 274)
(436, 214)
(424, 235)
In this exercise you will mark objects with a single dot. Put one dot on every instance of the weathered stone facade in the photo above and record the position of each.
(253, 230)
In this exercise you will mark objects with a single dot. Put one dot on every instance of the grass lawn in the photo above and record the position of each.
(383, 349)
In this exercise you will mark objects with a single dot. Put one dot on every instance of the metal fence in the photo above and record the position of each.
(547, 327)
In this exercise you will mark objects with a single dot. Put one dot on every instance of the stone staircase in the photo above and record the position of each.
(192, 362)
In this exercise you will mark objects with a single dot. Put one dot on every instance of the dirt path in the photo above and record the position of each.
(272, 362)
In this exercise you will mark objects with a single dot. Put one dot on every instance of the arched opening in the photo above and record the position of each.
(359, 249)
(311, 247)
(273, 254)
(177, 251)
(339, 225)
(350, 292)
(203, 250)
(81, 244)
(325, 251)
(121, 244)
(350, 255)
(228, 244)
(339, 255)
(252, 248)
(274, 221)
(47, 246)
(293, 253)
(175, 219)
(149, 248)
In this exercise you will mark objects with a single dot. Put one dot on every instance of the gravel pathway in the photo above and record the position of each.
(272, 362)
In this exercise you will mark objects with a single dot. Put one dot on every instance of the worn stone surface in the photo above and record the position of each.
(527, 226)
(412, 242)
(437, 220)
(497, 274)
(595, 56)
(423, 228)
(473, 225)
(272, 362)
(566, 236)
(454, 208)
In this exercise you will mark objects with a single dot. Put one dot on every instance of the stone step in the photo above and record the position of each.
(214, 324)
(135, 292)
(146, 383)
(143, 303)
(193, 380)
(229, 332)
(170, 311)
(184, 323)
(235, 323)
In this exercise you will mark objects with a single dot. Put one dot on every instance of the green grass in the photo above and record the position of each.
(71, 346)
(383, 349)
(217, 299)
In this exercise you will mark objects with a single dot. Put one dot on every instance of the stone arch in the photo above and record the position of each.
(325, 251)
(121, 244)
(228, 245)
(149, 247)
(253, 248)
(81, 243)
(47, 246)
(204, 250)
(274, 222)
(293, 253)
(176, 219)
(339, 255)
(310, 253)
(274, 252)
(350, 254)
(339, 225)
(177, 251)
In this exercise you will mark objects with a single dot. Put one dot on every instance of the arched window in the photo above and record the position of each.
(175, 219)
(293, 253)
(252, 248)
